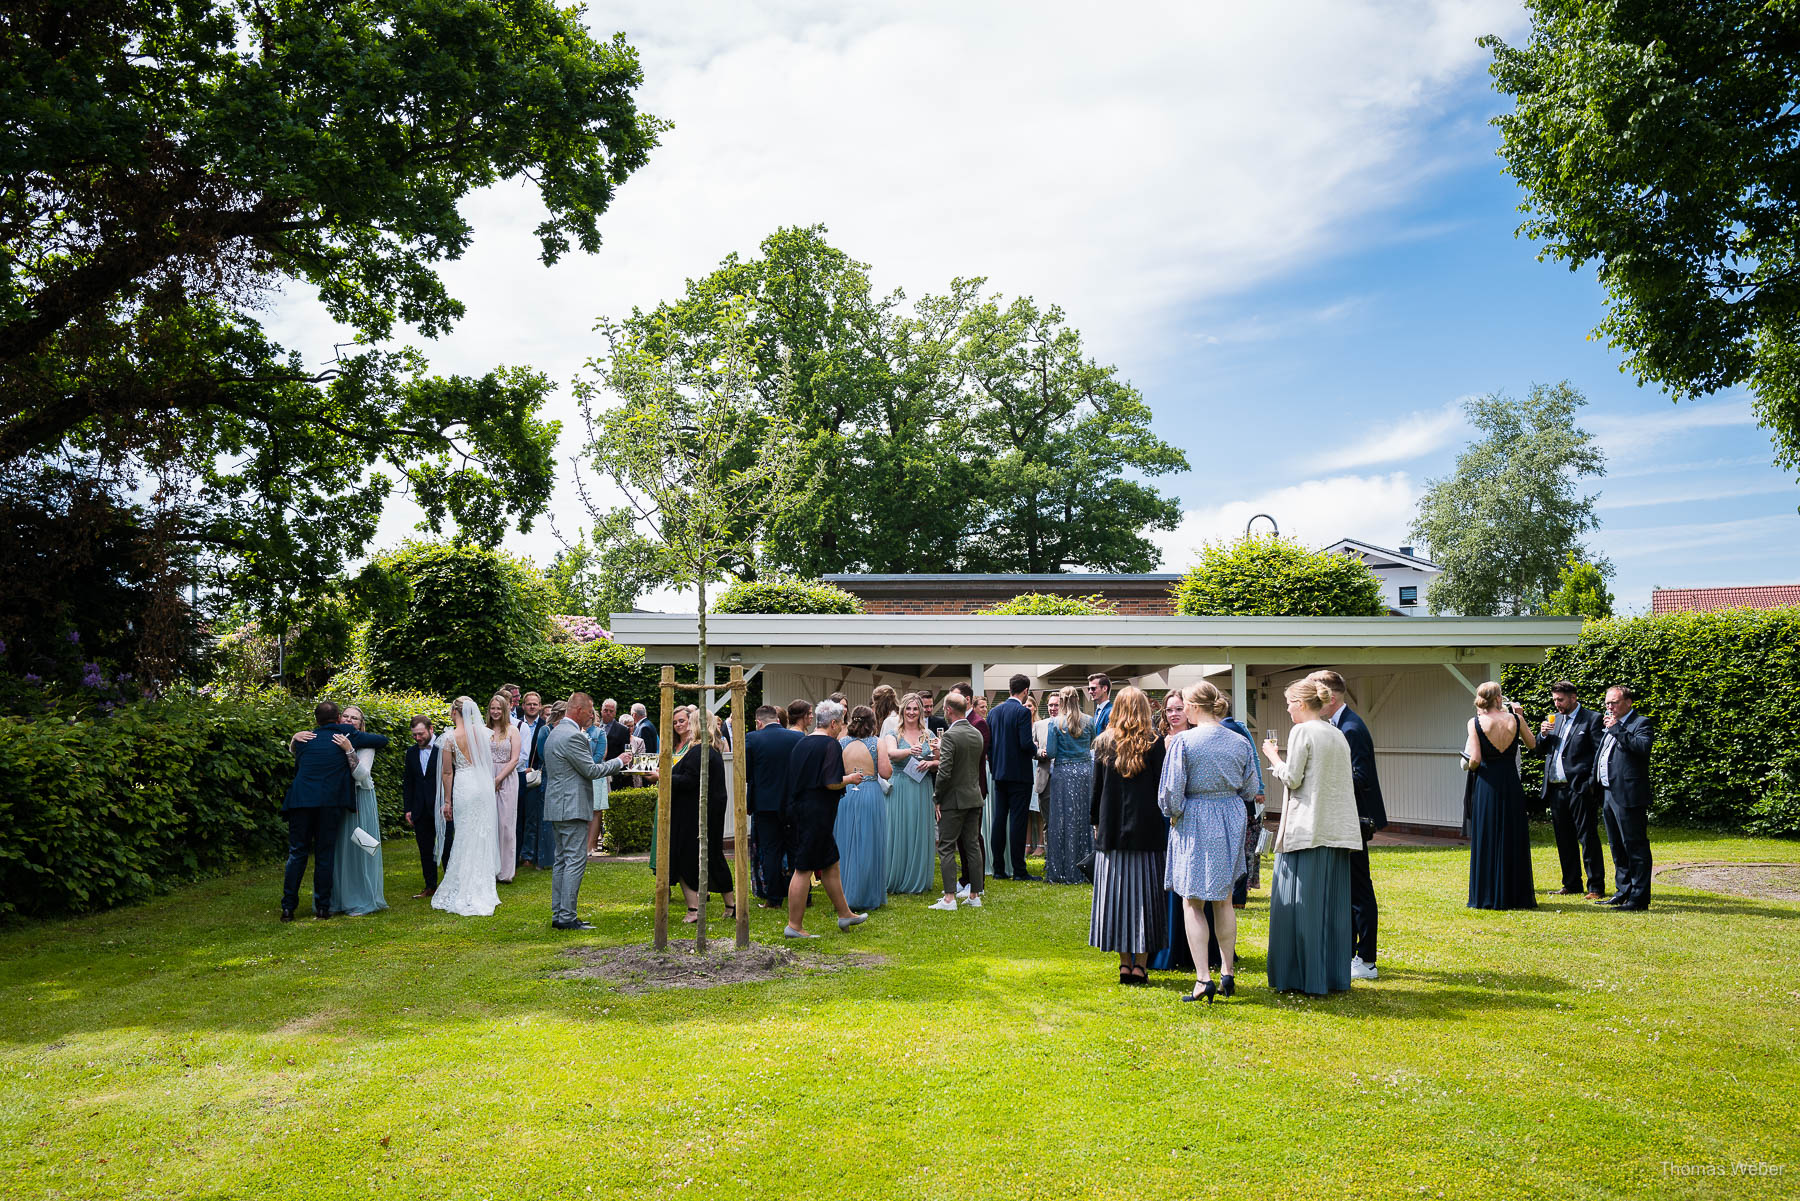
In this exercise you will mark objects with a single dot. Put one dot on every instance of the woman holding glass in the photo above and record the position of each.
(1309, 898)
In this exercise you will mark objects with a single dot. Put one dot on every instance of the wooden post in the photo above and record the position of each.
(662, 807)
(740, 845)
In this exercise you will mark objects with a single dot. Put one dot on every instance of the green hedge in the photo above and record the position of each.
(1724, 691)
(1045, 604)
(1277, 577)
(107, 812)
(630, 820)
(779, 595)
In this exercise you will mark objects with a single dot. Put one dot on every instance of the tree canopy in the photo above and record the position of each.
(1277, 577)
(949, 433)
(1660, 142)
(170, 166)
(1503, 523)
(1580, 592)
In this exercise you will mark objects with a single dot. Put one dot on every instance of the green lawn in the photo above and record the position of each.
(193, 1047)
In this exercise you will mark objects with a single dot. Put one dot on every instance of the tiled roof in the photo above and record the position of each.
(1705, 600)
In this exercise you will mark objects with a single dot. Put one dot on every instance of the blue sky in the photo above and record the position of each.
(1284, 223)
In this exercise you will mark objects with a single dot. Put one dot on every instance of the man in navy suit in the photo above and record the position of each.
(1569, 741)
(1623, 772)
(418, 793)
(316, 800)
(1371, 811)
(1014, 756)
(768, 748)
(1100, 694)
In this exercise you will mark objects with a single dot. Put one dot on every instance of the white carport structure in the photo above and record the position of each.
(1411, 678)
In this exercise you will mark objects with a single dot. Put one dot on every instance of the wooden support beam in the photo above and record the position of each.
(1451, 668)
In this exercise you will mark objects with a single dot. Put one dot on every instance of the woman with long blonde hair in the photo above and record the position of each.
(1130, 838)
(504, 738)
(1068, 835)
(1207, 781)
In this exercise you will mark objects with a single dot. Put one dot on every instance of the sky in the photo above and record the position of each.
(1285, 224)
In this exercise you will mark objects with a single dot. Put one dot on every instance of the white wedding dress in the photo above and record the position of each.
(468, 886)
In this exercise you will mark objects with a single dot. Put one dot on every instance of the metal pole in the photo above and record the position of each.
(740, 849)
(662, 807)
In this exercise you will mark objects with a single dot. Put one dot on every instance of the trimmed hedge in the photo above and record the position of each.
(1277, 577)
(1045, 604)
(786, 596)
(630, 820)
(108, 812)
(1724, 691)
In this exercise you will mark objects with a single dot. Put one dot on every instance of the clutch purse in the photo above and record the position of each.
(365, 840)
(533, 778)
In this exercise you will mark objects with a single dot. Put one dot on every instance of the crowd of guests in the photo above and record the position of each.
(1159, 806)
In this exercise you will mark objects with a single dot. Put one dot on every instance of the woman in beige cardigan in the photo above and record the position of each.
(1309, 901)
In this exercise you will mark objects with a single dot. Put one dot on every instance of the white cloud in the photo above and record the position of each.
(1411, 437)
(1629, 436)
(1698, 495)
(1318, 512)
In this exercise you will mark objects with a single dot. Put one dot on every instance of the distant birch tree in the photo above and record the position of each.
(700, 469)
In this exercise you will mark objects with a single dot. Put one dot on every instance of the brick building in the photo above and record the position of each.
(1133, 595)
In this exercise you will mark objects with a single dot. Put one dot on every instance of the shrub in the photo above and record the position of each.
(1724, 691)
(630, 820)
(1044, 604)
(1277, 577)
(786, 596)
(448, 618)
(1580, 591)
(102, 813)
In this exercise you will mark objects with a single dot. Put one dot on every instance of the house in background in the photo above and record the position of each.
(1404, 576)
(1709, 600)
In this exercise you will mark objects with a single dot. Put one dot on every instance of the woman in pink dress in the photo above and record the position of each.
(504, 737)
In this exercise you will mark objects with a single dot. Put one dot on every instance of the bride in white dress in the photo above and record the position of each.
(468, 885)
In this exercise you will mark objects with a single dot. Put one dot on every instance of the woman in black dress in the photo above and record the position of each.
(815, 783)
(1131, 836)
(684, 818)
(1499, 835)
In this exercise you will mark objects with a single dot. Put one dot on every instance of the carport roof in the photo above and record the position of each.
(892, 638)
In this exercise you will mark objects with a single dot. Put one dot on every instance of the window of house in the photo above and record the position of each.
(1409, 596)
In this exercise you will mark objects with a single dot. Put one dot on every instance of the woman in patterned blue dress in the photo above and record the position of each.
(1068, 838)
(861, 829)
(1207, 780)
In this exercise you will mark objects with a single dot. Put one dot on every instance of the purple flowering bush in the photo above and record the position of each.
(575, 627)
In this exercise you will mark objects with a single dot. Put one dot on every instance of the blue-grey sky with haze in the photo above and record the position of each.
(1287, 226)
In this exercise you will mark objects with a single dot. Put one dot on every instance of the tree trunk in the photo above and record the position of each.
(703, 739)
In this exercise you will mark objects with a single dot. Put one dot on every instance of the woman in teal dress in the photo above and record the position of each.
(356, 886)
(912, 823)
(861, 828)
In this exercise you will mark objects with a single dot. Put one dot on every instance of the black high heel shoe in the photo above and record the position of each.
(1227, 986)
(1206, 993)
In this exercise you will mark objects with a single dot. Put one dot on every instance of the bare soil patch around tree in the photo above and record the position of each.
(1763, 881)
(641, 969)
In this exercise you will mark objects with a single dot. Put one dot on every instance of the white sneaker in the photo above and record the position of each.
(948, 904)
(974, 902)
(962, 892)
(1362, 971)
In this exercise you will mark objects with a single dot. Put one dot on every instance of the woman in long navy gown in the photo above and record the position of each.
(1499, 835)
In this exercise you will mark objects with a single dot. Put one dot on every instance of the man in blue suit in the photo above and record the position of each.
(1365, 914)
(768, 748)
(1014, 756)
(1100, 695)
(316, 800)
(1622, 770)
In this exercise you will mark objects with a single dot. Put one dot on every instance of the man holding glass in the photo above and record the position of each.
(1568, 740)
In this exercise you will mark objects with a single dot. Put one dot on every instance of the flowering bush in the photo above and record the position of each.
(574, 627)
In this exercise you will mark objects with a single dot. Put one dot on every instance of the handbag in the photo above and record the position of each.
(533, 778)
(1085, 865)
(365, 840)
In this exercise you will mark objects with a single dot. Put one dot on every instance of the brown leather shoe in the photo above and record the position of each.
(1566, 892)
(1593, 896)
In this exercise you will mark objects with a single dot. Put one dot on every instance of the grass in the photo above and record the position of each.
(194, 1048)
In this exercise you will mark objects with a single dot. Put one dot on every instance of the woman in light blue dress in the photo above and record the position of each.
(356, 886)
(861, 828)
(1068, 836)
(1208, 779)
(911, 811)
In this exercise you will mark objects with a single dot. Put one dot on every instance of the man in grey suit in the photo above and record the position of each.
(958, 797)
(569, 768)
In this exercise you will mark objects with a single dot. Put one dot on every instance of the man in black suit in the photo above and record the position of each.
(1623, 772)
(1014, 756)
(618, 734)
(1569, 740)
(767, 749)
(315, 804)
(418, 793)
(935, 722)
(1371, 811)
